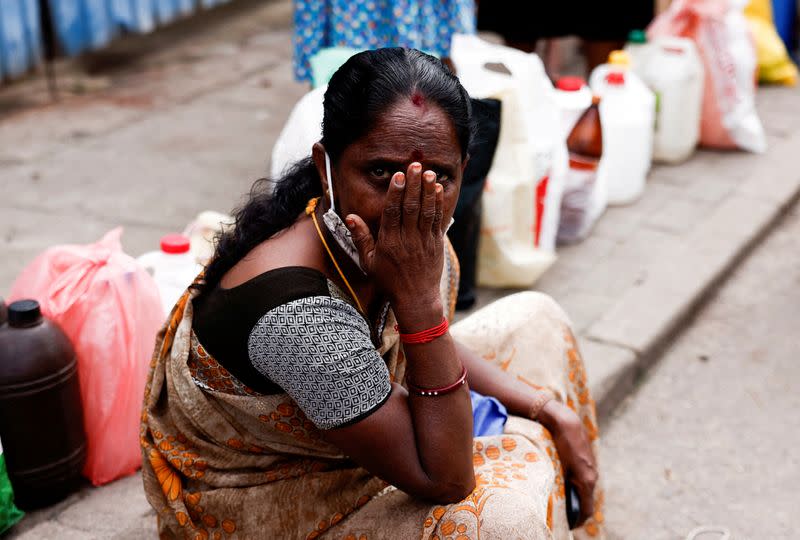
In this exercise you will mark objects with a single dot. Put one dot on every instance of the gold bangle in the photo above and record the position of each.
(540, 399)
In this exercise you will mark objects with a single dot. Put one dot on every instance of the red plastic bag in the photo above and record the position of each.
(110, 308)
(720, 32)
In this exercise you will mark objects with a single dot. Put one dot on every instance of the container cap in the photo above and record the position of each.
(24, 313)
(175, 243)
(615, 78)
(619, 58)
(570, 84)
(637, 36)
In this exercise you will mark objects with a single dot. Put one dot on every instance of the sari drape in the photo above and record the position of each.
(221, 461)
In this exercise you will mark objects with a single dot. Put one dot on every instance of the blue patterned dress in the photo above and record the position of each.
(369, 24)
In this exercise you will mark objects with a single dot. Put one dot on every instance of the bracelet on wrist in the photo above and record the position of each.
(425, 336)
(540, 399)
(432, 392)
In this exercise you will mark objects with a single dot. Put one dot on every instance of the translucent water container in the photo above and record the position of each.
(173, 268)
(572, 97)
(627, 113)
(673, 70)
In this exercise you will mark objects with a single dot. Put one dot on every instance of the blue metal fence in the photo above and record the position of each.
(80, 25)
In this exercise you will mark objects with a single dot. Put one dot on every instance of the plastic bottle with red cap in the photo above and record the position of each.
(173, 268)
(627, 113)
(572, 97)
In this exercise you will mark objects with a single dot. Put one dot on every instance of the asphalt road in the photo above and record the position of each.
(712, 436)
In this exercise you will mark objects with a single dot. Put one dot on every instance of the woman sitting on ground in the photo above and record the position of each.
(309, 384)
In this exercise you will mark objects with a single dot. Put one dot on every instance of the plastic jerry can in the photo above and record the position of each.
(572, 97)
(41, 416)
(673, 70)
(627, 112)
(637, 48)
(173, 268)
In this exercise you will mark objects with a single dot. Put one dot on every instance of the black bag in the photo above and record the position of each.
(465, 232)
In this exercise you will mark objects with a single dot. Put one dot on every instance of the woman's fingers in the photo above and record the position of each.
(585, 479)
(439, 209)
(586, 496)
(393, 207)
(363, 240)
(428, 212)
(411, 201)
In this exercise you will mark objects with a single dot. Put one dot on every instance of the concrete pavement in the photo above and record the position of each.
(187, 120)
(710, 437)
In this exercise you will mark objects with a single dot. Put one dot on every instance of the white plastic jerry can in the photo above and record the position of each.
(673, 70)
(573, 97)
(173, 268)
(627, 113)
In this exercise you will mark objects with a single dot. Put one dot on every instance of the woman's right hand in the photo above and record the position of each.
(406, 259)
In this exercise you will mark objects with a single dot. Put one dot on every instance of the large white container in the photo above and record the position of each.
(173, 268)
(521, 202)
(572, 97)
(671, 67)
(627, 112)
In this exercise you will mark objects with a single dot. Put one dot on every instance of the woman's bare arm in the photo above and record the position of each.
(421, 444)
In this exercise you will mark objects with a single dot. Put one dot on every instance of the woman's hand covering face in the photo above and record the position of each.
(395, 187)
(406, 257)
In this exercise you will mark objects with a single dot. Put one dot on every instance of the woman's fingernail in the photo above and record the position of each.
(439, 188)
(349, 222)
(416, 167)
(430, 176)
(400, 180)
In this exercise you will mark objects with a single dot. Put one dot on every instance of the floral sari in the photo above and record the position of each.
(222, 461)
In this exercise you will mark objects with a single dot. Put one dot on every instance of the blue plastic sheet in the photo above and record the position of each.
(20, 37)
(134, 16)
(166, 10)
(82, 25)
(67, 18)
(99, 28)
(488, 415)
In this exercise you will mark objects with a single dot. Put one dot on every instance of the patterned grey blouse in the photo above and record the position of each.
(306, 340)
(318, 349)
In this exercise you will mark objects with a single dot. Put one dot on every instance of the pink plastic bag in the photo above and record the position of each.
(110, 308)
(719, 29)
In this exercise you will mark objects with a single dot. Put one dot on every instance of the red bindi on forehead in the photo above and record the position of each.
(417, 99)
(417, 155)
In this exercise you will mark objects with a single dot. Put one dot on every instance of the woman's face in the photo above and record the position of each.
(412, 130)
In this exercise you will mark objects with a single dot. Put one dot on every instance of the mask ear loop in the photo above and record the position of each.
(330, 182)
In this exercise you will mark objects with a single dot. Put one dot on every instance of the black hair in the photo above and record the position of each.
(360, 90)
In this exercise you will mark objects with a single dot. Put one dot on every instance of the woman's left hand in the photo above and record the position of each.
(574, 451)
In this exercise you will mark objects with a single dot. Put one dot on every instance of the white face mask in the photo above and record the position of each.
(336, 226)
(334, 223)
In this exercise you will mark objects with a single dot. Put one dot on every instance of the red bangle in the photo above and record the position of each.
(426, 336)
(439, 391)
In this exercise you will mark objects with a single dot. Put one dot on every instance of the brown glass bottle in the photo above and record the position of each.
(585, 141)
(585, 146)
(41, 418)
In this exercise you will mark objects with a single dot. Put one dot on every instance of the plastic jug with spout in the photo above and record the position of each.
(41, 416)
(638, 48)
(672, 68)
(173, 268)
(572, 97)
(584, 197)
(627, 112)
